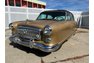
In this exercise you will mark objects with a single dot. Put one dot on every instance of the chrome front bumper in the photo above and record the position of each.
(33, 44)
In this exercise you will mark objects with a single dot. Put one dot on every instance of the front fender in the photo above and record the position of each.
(59, 32)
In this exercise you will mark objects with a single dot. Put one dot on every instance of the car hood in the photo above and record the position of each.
(37, 23)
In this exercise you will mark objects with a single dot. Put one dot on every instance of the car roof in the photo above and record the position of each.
(56, 11)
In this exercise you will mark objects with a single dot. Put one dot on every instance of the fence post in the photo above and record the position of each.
(80, 22)
(9, 14)
(27, 11)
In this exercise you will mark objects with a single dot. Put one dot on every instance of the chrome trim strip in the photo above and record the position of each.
(36, 45)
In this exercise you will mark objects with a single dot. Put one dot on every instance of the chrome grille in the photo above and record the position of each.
(28, 31)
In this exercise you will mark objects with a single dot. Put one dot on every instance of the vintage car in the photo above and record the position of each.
(47, 33)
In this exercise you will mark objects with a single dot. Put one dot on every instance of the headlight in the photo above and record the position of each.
(10, 26)
(47, 30)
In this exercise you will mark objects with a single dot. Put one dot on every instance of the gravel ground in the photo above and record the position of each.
(75, 50)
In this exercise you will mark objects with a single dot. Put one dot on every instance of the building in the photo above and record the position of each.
(84, 22)
(16, 10)
(26, 3)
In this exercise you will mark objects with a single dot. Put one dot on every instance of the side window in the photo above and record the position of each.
(42, 16)
(69, 17)
(6, 2)
(72, 17)
(11, 2)
(18, 3)
(60, 18)
(49, 17)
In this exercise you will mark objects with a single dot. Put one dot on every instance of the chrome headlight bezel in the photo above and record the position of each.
(10, 25)
(47, 40)
(47, 30)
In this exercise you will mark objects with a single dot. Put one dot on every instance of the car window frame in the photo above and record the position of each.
(66, 13)
(71, 16)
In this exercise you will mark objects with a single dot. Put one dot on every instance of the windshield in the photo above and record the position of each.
(58, 16)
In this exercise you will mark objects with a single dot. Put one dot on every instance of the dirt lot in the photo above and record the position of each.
(75, 50)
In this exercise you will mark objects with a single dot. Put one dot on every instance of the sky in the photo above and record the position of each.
(73, 5)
